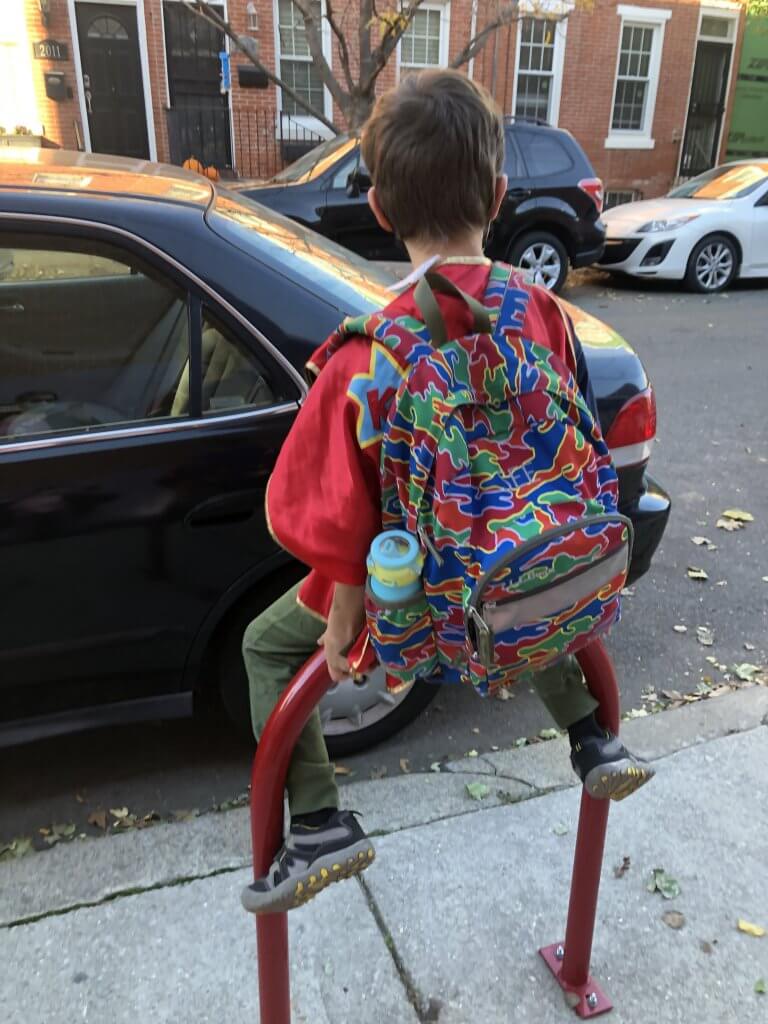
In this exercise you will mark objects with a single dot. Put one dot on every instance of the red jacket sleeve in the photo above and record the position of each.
(324, 496)
(547, 323)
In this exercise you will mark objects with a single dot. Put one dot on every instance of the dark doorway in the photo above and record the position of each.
(198, 118)
(706, 107)
(114, 93)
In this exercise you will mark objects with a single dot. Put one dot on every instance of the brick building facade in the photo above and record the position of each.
(645, 87)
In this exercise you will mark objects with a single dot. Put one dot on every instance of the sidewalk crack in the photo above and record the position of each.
(427, 1012)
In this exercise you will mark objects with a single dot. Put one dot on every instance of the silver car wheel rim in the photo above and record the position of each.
(714, 265)
(542, 262)
(349, 706)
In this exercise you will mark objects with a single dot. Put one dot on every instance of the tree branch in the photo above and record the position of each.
(313, 32)
(507, 14)
(343, 48)
(249, 47)
(391, 35)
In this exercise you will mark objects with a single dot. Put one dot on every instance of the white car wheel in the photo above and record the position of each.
(712, 264)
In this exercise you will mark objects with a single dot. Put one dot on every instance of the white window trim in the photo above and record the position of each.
(303, 121)
(444, 10)
(656, 18)
(141, 24)
(558, 63)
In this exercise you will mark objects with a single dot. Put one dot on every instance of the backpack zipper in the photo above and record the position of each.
(429, 545)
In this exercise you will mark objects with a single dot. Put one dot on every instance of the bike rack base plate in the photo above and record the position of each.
(587, 1000)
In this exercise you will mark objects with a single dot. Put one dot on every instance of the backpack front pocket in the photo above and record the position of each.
(403, 636)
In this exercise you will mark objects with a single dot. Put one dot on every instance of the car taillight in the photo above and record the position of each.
(631, 434)
(594, 189)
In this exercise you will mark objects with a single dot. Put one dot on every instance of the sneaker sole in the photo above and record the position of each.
(617, 780)
(296, 891)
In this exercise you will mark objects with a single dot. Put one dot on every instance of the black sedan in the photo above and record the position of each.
(152, 332)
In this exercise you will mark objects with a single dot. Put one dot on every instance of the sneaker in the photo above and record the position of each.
(309, 860)
(607, 769)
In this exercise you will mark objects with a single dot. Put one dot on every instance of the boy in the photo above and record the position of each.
(434, 147)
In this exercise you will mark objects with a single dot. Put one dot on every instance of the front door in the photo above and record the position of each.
(706, 107)
(112, 83)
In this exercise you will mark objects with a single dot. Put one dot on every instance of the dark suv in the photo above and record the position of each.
(549, 219)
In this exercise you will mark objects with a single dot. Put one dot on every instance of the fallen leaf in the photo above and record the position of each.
(475, 729)
(341, 769)
(672, 694)
(20, 846)
(621, 869)
(699, 541)
(185, 815)
(663, 883)
(706, 947)
(478, 790)
(722, 583)
(119, 812)
(680, 628)
(673, 919)
(738, 515)
(748, 646)
(704, 636)
(560, 829)
(549, 734)
(405, 766)
(434, 767)
(636, 713)
(711, 659)
(764, 579)
(472, 753)
(98, 819)
(729, 524)
(695, 573)
(520, 741)
(504, 693)
(80, 798)
(760, 987)
(627, 592)
(745, 671)
(750, 929)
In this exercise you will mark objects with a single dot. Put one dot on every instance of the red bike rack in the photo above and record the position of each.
(568, 960)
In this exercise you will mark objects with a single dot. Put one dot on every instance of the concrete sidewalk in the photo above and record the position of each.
(444, 927)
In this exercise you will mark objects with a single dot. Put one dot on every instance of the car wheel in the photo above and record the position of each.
(355, 716)
(712, 265)
(543, 257)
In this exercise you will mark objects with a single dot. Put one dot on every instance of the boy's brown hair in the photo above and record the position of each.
(434, 147)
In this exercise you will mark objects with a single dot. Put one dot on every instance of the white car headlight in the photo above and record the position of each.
(668, 223)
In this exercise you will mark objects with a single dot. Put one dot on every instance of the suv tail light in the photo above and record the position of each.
(594, 189)
(631, 434)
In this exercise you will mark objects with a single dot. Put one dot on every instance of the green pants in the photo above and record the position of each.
(280, 640)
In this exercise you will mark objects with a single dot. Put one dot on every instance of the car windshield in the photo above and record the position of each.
(317, 161)
(336, 275)
(731, 181)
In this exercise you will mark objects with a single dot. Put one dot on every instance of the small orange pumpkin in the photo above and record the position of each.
(212, 173)
(193, 164)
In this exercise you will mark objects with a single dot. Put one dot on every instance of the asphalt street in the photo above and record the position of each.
(708, 360)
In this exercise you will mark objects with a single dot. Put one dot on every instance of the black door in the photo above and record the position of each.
(706, 108)
(114, 93)
(198, 119)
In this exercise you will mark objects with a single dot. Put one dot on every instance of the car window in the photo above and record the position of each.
(544, 154)
(90, 337)
(730, 181)
(233, 379)
(341, 177)
(513, 164)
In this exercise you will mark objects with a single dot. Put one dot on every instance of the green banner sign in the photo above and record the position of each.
(749, 124)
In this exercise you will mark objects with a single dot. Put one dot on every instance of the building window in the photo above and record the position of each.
(424, 43)
(296, 66)
(637, 76)
(541, 45)
(616, 197)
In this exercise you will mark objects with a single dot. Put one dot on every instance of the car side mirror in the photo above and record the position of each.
(358, 181)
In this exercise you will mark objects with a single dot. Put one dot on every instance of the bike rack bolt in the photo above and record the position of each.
(559, 952)
(592, 1000)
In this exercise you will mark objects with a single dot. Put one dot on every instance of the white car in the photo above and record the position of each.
(706, 232)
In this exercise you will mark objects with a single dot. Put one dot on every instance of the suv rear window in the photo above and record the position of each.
(544, 154)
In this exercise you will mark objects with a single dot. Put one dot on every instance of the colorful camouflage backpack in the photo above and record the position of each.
(492, 458)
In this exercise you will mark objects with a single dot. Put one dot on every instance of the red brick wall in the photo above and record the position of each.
(58, 117)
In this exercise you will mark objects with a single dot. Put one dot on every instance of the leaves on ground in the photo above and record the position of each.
(185, 814)
(504, 693)
(679, 628)
(738, 515)
(663, 883)
(560, 829)
(750, 929)
(745, 671)
(694, 573)
(119, 812)
(748, 646)
(341, 769)
(478, 790)
(405, 765)
(705, 542)
(99, 820)
(628, 592)
(760, 987)
(705, 636)
(521, 741)
(673, 919)
(635, 713)
(549, 734)
(706, 947)
(621, 869)
(472, 753)
(20, 846)
(434, 767)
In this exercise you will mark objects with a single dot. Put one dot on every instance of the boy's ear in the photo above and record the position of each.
(500, 191)
(378, 213)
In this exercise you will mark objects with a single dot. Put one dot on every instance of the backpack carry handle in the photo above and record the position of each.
(424, 297)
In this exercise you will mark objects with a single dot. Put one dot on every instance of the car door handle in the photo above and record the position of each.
(233, 508)
(519, 193)
(14, 307)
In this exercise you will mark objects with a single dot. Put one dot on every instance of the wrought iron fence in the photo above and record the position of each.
(264, 141)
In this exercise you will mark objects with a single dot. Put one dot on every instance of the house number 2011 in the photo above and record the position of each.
(50, 49)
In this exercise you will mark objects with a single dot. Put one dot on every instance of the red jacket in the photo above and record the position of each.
(324, 496)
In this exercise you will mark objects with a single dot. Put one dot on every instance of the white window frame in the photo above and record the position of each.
(558, 60)
(302, 121)
(646, 17)
(444, 10)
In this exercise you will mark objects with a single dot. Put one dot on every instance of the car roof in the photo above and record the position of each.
(58, 170)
